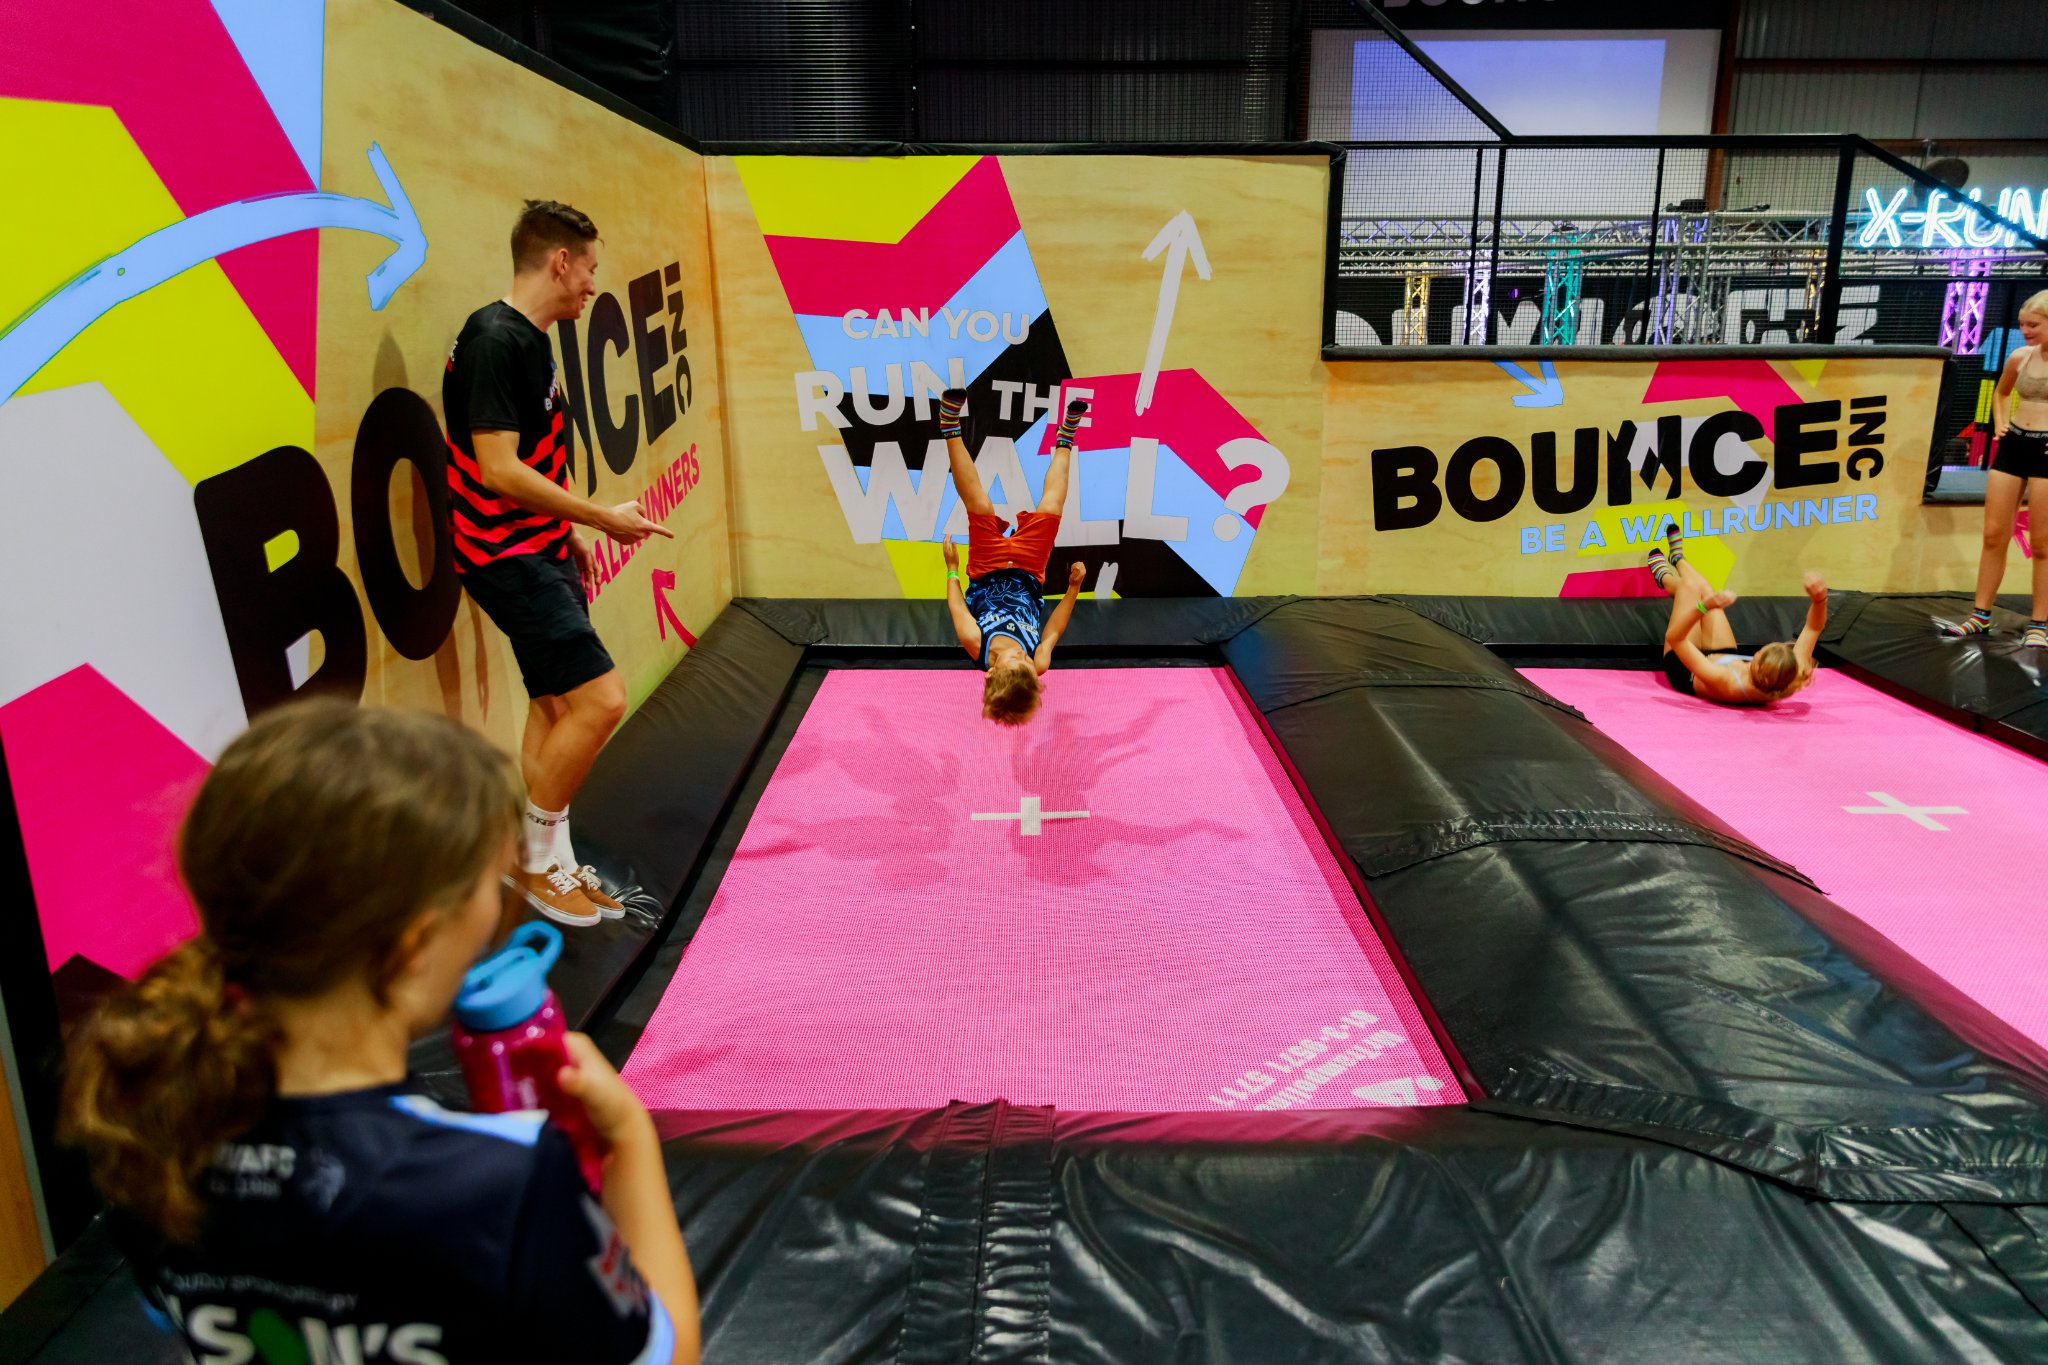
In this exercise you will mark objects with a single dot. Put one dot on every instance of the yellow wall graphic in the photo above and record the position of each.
(646, 196)
(1770, 466)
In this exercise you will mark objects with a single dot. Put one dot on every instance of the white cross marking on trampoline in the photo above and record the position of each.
(1030, 816)
(1919, 815)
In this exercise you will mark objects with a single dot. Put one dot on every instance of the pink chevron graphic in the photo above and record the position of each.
(1630, 582)
(170, 71)
(923, 270)
(1754, 386)
(1187, 415)
(100, 788)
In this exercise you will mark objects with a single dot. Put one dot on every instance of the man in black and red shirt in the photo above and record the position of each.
(518, 546)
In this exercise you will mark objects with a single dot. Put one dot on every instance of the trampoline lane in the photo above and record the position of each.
(1121, 906)
(1930, 834)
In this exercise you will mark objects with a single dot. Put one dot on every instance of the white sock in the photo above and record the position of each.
(565, 852)
(538, 845)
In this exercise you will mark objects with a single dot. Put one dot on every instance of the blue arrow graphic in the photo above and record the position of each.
(28, 343)
(1544, 392)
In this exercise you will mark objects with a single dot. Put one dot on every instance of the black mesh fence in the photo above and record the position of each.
(1610, 242)
(1692, 241)
(909, 71)
(793, 70)
(1082, 71)
(1096, 72)
(1415, 245)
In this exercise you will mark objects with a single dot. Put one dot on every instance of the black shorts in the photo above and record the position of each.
(2022, 453)
(1680, 677)
(538, 601)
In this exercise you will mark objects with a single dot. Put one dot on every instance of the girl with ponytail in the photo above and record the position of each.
(284, 1192)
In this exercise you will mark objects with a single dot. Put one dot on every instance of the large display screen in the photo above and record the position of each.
(1560, 83)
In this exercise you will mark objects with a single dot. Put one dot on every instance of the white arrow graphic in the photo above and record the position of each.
(1179, 240)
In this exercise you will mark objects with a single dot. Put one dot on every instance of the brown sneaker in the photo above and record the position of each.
(559, 896)
(593, 890)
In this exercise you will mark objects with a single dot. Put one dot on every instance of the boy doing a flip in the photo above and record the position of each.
(999, 617)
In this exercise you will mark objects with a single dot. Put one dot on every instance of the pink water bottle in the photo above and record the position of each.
(512, 1042)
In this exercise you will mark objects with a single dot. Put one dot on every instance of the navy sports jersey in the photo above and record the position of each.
(1007, 602)
(501, 377)
(376, 1228)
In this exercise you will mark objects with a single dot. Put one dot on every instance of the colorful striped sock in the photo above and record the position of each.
(2036, 636)
(1070, 424)
(951, 403)
(1660, 568)
(1977, 622)
(1674, 536)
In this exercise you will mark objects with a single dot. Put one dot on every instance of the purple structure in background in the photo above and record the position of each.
(1962, 310)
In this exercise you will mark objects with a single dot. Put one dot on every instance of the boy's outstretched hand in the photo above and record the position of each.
(1816, 586)
(1076, 571)
(952, 553)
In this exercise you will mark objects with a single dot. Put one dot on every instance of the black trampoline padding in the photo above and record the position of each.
(991, 1233)
(1721, 1121)
(1590, 629)
(1602, 951)
(1989, 683)
(2029, 725)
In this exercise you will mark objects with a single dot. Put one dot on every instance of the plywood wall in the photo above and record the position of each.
(21, 1242)
(812, 252)
(1436, 476)
(472, 137)
(838, 278)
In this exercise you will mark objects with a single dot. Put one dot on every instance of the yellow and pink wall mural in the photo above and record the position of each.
(162, 330)
(908, 277)
(243, 243)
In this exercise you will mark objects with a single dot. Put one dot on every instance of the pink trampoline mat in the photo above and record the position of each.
(1121, 906)
(1928, 833)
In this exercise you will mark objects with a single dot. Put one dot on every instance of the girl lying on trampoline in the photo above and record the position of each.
(1000, 616)
(1701, 658)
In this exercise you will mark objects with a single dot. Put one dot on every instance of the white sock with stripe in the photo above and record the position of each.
(537, 844)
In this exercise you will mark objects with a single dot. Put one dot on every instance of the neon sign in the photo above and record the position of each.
(1951, 222)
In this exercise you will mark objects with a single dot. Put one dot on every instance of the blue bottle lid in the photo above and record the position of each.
(510, 986)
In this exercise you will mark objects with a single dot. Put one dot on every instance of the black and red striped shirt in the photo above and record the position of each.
(501, 377)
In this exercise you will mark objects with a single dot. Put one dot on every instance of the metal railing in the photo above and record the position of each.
(1671, 241)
